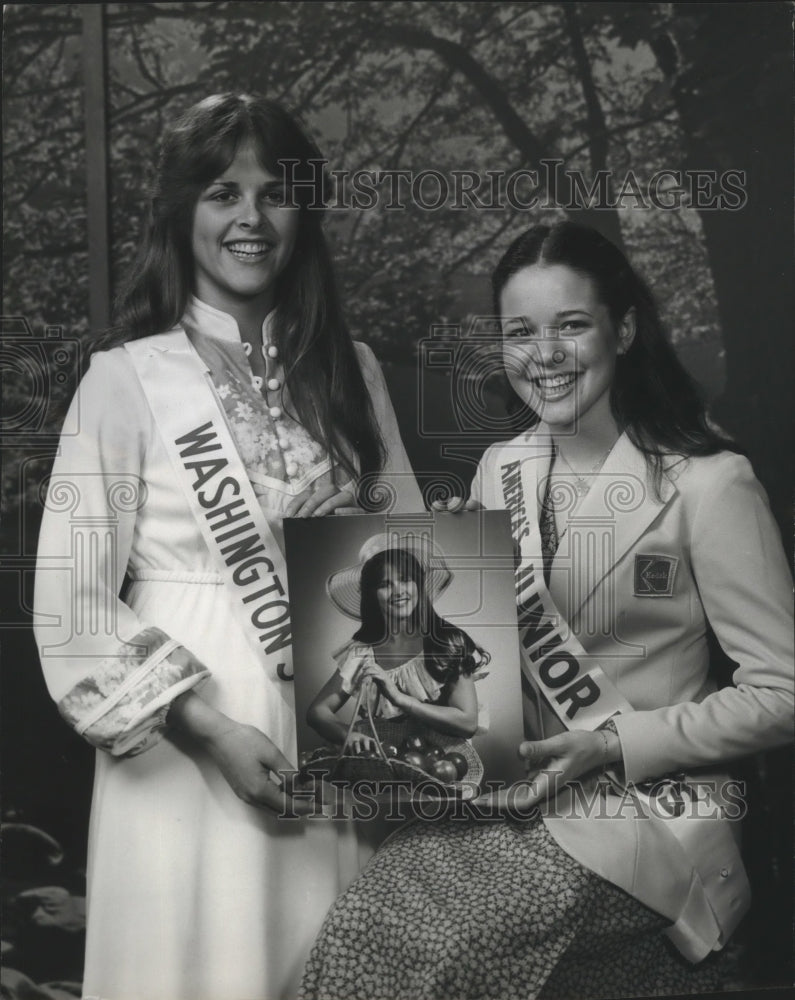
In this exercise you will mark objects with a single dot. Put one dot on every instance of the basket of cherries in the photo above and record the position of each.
(400, 750)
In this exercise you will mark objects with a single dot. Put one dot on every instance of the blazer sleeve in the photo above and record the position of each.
(745, 588)
(397, 476)
(112, 676)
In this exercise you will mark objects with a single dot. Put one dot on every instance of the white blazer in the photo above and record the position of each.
(639, 577)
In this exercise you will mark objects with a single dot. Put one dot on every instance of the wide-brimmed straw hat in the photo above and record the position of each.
(344, 586)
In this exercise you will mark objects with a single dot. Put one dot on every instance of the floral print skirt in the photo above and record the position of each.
(466, 910)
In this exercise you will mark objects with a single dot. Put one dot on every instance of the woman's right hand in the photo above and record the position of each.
(357, 742)
(455, 505)
(247, 759)
(387, 686)
(250, 761)
(322, 501)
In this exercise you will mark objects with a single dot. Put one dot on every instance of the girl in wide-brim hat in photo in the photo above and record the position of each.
(422, 667)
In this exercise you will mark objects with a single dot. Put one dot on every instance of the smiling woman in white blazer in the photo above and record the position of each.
(650, 530)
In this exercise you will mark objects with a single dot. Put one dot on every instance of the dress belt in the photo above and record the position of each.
(175, 576)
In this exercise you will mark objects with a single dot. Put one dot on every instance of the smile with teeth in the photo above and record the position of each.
(248, 249)
(555, 384)
(400, 603)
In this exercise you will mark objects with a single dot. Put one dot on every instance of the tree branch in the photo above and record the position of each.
(156, 99)
(596, 124)
(61, 250)
(616, 130)
(484, 244)
(319, 84)
(147, 13)
(403, 139)
(492, 92)
(17, 71)
(140, 62)
(501, 27)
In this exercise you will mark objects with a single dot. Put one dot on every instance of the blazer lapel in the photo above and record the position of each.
(615, 512)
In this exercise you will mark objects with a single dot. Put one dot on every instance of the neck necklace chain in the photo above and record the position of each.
(582, 480)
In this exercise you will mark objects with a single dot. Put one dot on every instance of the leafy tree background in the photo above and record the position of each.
(440, 86)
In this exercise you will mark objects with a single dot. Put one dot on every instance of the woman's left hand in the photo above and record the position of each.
(381, 677)
(328, 499)
(550, 764)
(455, 505)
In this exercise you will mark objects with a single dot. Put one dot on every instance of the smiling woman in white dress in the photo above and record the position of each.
(228, 395)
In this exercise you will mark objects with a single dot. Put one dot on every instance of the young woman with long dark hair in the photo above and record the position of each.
(227, 396)
(639, 530)
(422, 665)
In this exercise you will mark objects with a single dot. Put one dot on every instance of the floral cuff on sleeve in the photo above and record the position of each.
(121, 706)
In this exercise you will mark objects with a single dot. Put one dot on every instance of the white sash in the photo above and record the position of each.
(583, 697)
(213, 480)
(573, 685)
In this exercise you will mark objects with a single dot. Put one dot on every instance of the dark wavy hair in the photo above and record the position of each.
(449, 652)
(652, 397)
(322, 372)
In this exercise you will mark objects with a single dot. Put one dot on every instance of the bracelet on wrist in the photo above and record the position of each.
(605, 750)
(608, 727)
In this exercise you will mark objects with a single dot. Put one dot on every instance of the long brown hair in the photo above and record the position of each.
(652, 397)
(449, 652)
(322, 372)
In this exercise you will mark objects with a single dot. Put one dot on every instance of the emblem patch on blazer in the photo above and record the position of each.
(654, 575)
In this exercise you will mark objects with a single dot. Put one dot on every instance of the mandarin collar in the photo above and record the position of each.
(220, 325)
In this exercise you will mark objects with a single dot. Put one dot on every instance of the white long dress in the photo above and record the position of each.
(191, 893)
